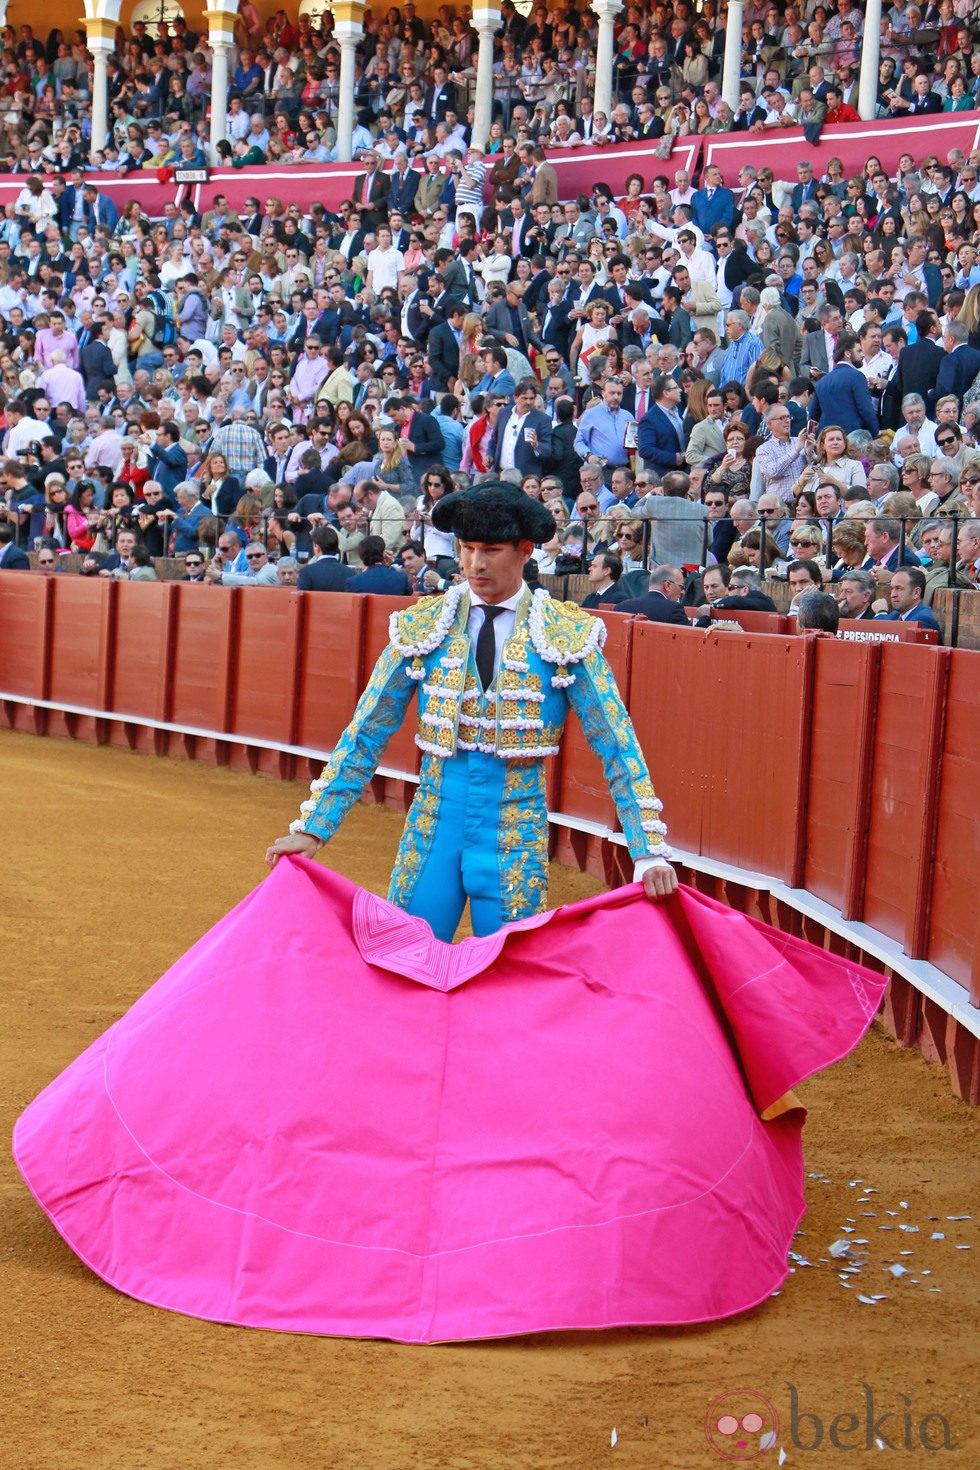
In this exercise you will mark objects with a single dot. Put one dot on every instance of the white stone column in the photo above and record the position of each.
(348, 28)
(606, 11)
(731, 76)
(870, 61)
(101, 49)
(219, 93)
(485, 22)
(221, 18)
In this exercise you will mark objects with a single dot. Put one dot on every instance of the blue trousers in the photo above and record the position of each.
(477, 831)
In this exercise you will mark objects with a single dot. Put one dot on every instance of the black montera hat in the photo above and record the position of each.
(493, 512)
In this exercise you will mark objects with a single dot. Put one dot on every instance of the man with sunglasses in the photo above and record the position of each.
(260, 571)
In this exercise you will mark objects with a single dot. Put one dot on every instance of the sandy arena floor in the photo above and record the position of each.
(114, 864)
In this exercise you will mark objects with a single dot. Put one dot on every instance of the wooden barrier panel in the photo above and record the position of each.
(954, 919)
(24, 633)
(725, 723)
(331, 664)
(81, 641)
(263, 699)
(204, 664)
(911, 703)
(845, 694)
(141, 675)
(581, 787)
(402, 754)
(754, 622)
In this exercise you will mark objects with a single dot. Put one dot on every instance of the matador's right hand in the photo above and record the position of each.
(303, 843)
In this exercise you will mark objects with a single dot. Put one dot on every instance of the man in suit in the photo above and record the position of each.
(403, 184)
(544, 185)
(521, 440)
(12, 558)
(376, 577)
(905, 594)
(960, 365)
(326, 572)
(883, 538)
(440, 96)
(99, 209)
(843, 396)
(805, 188)
(443, 346)
(507, 318)
(924, 99)
(458, 275)
(421, 437)
(920, 364)
(660, 434)
(713, 204)
(430, 186)
(370, 192)
(779, 330)
(662, 603)
(556, 329)
(605, 570)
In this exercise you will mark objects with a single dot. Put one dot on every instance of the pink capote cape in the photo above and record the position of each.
(323, 1119)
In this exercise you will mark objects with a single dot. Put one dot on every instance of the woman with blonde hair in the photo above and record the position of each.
(849, 547)
(220, 490)
(768, 364)
(390, 466)
(969, 315)
(860, 510)
(473, 331)
(806, 544)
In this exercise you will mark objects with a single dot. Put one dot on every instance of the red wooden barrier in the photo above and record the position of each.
(954, 921)
(24, 633)
(581, 787)
(402, 753)
(724, 722)
(81, 641)
(331, 666)
(142, 667)
(754, 622)
(204, 664)
(911, 702)
(845, 695)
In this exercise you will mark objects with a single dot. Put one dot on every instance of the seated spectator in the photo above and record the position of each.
(908, 585)
(855, 594)
(605, 571)
(745, 593)
(817, 612)
(378, 576)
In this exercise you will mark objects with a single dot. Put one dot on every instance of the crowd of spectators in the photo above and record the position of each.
(706, 382)
(415, 81)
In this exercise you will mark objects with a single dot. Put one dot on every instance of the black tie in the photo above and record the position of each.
(486, 645)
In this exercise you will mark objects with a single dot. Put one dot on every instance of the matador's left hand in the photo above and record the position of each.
(660, 881)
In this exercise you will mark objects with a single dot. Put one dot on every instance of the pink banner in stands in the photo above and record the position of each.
(578, 169)
(852, 143)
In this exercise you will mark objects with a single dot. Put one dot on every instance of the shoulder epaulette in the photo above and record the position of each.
(417, 630)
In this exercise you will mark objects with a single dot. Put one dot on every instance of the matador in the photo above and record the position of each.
(496, 667)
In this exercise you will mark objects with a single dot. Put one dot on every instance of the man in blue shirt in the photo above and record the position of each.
(248, 77)
(602, 429)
